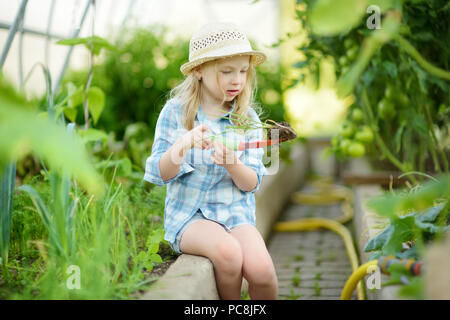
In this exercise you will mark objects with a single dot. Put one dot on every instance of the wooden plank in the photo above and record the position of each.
(384, 178)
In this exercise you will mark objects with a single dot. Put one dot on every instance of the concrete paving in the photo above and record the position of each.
(310, 265)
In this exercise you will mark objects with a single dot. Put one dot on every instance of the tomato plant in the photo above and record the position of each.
(398, 75)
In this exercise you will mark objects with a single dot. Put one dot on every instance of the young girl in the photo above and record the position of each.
(210, 201)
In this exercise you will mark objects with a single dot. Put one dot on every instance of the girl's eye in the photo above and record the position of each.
(243, 71)
(226, 72)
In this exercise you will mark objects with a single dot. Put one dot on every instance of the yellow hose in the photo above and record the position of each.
(326, 194)
(355, 279)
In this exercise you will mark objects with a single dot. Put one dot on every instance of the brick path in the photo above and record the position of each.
(311, 265)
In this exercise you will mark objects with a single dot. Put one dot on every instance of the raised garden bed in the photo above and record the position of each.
(369, 224)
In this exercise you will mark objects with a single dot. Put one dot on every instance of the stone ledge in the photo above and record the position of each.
(192, 277)
(367, 225)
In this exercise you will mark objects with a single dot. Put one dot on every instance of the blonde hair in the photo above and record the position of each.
(188, 93)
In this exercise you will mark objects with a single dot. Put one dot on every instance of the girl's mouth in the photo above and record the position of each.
(232, 92)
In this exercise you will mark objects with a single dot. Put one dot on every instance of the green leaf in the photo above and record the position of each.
(300, 64)
(403, 229)
(332, 17)
(45, 215)
(152, 244)
(391, 68)
(370, 46)
(76, 97)
(390, 205)
(430, 214)
(96, 102)
(429, 227)
(384, 5)
(124, 167)
(155, 258)
(70, 113)
(22, 132)
(91, 134)
(419, 124)
(93, 44)
(141, 257)
(148, 265)
(377, 242)
(411, 253)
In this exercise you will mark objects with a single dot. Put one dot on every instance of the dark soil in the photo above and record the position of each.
(157, 272)
(285, 131)
(160, 269)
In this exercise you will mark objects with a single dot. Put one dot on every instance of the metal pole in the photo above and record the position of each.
(125, 19)
(12, 32)
(49, 26)
(4, 25)
(21, 84)
(69, 53)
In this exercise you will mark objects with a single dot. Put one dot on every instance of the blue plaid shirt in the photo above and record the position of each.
(201, 184)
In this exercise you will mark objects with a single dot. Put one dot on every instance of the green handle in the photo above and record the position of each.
(230, 144)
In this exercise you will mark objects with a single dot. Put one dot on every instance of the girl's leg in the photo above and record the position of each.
(258, 267)
(209, 239)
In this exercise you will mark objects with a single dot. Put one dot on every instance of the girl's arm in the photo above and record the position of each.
(171, 160)
(243, 177)
(168, 142)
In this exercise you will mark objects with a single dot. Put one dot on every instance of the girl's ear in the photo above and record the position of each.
(197, 73)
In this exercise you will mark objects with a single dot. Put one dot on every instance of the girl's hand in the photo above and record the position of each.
(222, 155)
(198, 138)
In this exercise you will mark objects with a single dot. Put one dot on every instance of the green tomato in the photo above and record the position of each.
(386, 109)
(348, 130)
(403, 100)
(335, 141)
(356, 149)
(389, 92)
(345, 69)
(365, 135)
(352, 53)
(357, 115)
(343, 61)
(348, 43)
(345, 144)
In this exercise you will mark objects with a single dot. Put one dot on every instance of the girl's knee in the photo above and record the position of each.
(227, 257)
(261, 273)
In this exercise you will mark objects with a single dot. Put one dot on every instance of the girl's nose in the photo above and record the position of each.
(237, 78)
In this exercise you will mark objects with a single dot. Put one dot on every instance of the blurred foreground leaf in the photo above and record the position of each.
(391, 205)
(23, 132)
(331, 17)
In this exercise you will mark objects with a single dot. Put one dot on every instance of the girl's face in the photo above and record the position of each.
(224, 79)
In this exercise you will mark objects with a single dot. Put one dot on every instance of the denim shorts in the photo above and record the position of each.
(197, 216)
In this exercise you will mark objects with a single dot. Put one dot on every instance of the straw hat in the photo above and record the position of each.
(219, 40)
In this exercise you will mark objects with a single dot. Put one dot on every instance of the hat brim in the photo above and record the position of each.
(257, 58)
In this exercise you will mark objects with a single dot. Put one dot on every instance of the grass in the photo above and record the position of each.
(317, 289)
(296, 279)
(293, 296)
(299, 257)
(107, 236)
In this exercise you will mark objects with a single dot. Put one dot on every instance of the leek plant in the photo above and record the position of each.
(21, 133)
(105, 251)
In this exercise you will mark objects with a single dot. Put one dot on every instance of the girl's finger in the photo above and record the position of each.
(204, 128)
